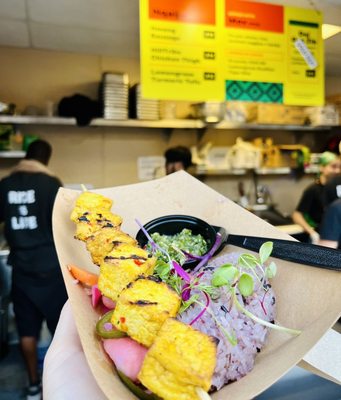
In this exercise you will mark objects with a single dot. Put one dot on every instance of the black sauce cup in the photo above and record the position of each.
(173, 224)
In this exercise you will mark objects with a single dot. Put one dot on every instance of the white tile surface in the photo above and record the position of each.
(81, 40)
(13, 33)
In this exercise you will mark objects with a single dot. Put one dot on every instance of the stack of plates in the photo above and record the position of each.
(114, 95)
(142, 108)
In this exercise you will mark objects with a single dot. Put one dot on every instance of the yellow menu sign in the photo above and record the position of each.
(304, 77)
(200, 50)
(179, 57)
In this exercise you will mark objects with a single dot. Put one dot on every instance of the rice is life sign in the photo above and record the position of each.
(202, 50)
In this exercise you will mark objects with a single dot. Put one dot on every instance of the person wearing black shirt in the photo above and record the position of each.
(333, 190)
(330, 233)
(38, 293)
(309, 211)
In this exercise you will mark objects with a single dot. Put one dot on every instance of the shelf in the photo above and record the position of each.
(248, 126)
(273, 171)
(258, 171)
(98, 122)
(221, 171)
(12, 154)
(161, 124)
(36, 120)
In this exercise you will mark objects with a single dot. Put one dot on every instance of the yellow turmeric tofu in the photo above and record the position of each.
(92, 221)
(103, 241)
(143, 307)
(88, 201)
(180, 360)
(122, 265)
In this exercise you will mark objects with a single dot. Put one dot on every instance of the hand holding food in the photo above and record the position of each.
(191, 331)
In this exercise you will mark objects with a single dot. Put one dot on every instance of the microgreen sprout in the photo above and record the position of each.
(260, 321)
(234, 278)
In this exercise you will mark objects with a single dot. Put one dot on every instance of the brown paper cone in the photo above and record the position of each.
(308, 298)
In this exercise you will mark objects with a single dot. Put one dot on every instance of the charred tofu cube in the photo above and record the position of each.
(92, 221)
(88, 201)
(122, 265)
(103, 241)
(180, 360)
(143, 307)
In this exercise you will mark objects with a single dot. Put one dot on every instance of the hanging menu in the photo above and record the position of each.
(254, 51)
(179, 50)
(201, 50)
(304, 78)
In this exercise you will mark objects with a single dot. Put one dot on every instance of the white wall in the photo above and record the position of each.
(108, 156)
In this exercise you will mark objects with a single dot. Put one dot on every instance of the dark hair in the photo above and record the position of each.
(39, 150)
(179, 153)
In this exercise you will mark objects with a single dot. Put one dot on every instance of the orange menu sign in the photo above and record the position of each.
(254, 16)
(195, 12)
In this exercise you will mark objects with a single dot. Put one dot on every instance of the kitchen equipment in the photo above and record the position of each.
(302, 253)
(244, 154)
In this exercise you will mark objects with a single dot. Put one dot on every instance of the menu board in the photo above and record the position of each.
(304, 82)
(254, 51)
(201, 50)
(179, 50)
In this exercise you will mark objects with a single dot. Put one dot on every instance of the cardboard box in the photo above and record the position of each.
(336, 101)
(240, 111)
(280, 114)
(307, 298)
(323, 116)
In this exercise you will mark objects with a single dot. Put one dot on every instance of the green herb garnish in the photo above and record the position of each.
(234, 277)
(177, 245)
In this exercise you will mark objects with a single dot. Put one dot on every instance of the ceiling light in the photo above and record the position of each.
(330, 30)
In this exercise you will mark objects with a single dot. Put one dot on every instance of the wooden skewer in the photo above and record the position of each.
(202, 394)
(83, 187)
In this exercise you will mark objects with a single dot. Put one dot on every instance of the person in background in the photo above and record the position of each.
(333, 186)
(330, 232)
(177, 159)
(38, 293)
(309, 211)
(332, 190)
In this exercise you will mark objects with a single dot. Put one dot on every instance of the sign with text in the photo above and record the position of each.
(179, 59)
(304, 78)
(202, 50)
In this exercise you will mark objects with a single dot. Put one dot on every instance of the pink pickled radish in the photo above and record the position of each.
(95, 295)
(127, 355)
(108, 302)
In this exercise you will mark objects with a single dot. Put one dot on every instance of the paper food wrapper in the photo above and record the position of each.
(307, 298)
